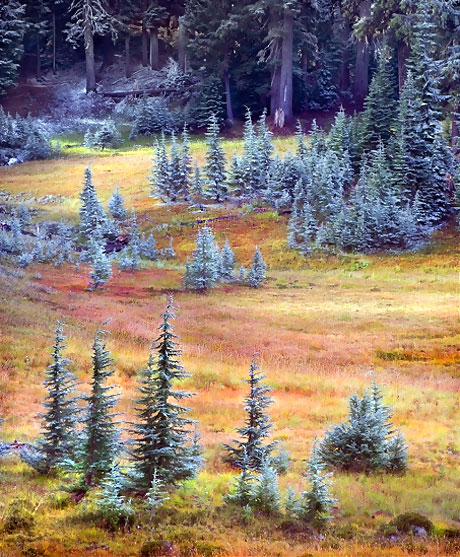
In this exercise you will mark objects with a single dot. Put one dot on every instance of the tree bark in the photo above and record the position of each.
(361, 83)
(285, 86)
(181, 45)
(145, 40)
(345, 81)
(39, 67)
(154, 53)
(54, 43)
(128, 69)
(403, 55)
(228, 98)
(89, 59)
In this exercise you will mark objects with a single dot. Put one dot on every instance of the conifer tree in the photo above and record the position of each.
(101, 265)
(92, 216)
(265, 495)
(155, 496)
(117, 206)
(215, 163)
(162, 433)
(256, 276)
(197, 187)
(228, 263)
(100, 443)
(160, 183)
(314, 505)
(175, 171)
(257, 428)
(114, 507)
(203, 271)
(61, 410)
(185, 184)
(243, 493)
(301, 149)
(147, 247)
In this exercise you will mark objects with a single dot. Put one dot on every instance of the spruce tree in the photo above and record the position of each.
(162, 433)
(228, 263)
(185, 184)
(243, 492)
(314, 505)
(115, 508)
(61, 410)
(265, 495)
(215, 163)
(160, 183)
(147, 247)
(100, 436)
(117, 206)
(203, 271)
(256, 276)
(197, 187)
(92, 216)
(101, 265)
(257, 428)
(175, 171)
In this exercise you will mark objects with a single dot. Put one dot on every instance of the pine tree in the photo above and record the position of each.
(257, 426)
(301, 149)
(185, 184)
(148, 247)
(160, 183)
(134, 242)
(265, 492)
(117, 206)
(215, 163)
(114, 507)
(197, 187)
(175, 171)
(256, 275)
(12, 27)
(92, 216)
(61, 410)
(314, 505)
(203, 271)
(228, 263)
(24, 216)
(155, 496)
(162, 432)
(100, 437)
(365, 442)
(243, 492)
(101, 265)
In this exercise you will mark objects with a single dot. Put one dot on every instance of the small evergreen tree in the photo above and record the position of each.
(117, 206)
(242, 494)
(256, 276)
(215, 163)
(160, 183)
(314, 505)
(102, 267)
(100, 443)
(203, 271)
(61, 410)
(265, 495)
(185, 184)
(161, 444)
(155, 496)
(257, 426)
(147, 247)
(366, 442)
(114, 507)
(92, 216)
(228, 263)
(197, 187)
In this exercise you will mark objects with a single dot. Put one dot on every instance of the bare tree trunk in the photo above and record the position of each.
(285, 87)
(128, 69)
(455, 129)
(228, 98)
(145, 39)
(345, 81)
(54, 43)
(361, 83)
(403, 55)
(39, 67)
(181, 45)
(154, 57)
(89, 58)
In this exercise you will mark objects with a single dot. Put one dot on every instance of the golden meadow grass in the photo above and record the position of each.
(319, 325)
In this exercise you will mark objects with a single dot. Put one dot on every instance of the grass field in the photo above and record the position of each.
(319, 325)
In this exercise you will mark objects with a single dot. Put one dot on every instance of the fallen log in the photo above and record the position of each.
(138, 92)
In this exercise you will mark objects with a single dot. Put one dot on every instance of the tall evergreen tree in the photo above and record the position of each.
(12, 27)
(160, 183)
(162, 433)
(100, 436)
(215, 163)
(257, 426)
(186, 166)
(61, 410)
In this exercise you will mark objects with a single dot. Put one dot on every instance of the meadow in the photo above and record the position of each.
(319, 325)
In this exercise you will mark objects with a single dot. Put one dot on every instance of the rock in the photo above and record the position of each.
(419, 531)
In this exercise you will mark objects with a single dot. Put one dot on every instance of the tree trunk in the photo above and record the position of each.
(39, 68)
(228, 98)
(361, 83)
(181, 45)
(89, 58)
(145, 40)
(345, 81)
(154, 57)
(128, 69)
(455, 129)
(285, 86)
(403, 55)
(54, 43)
(109, 52)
